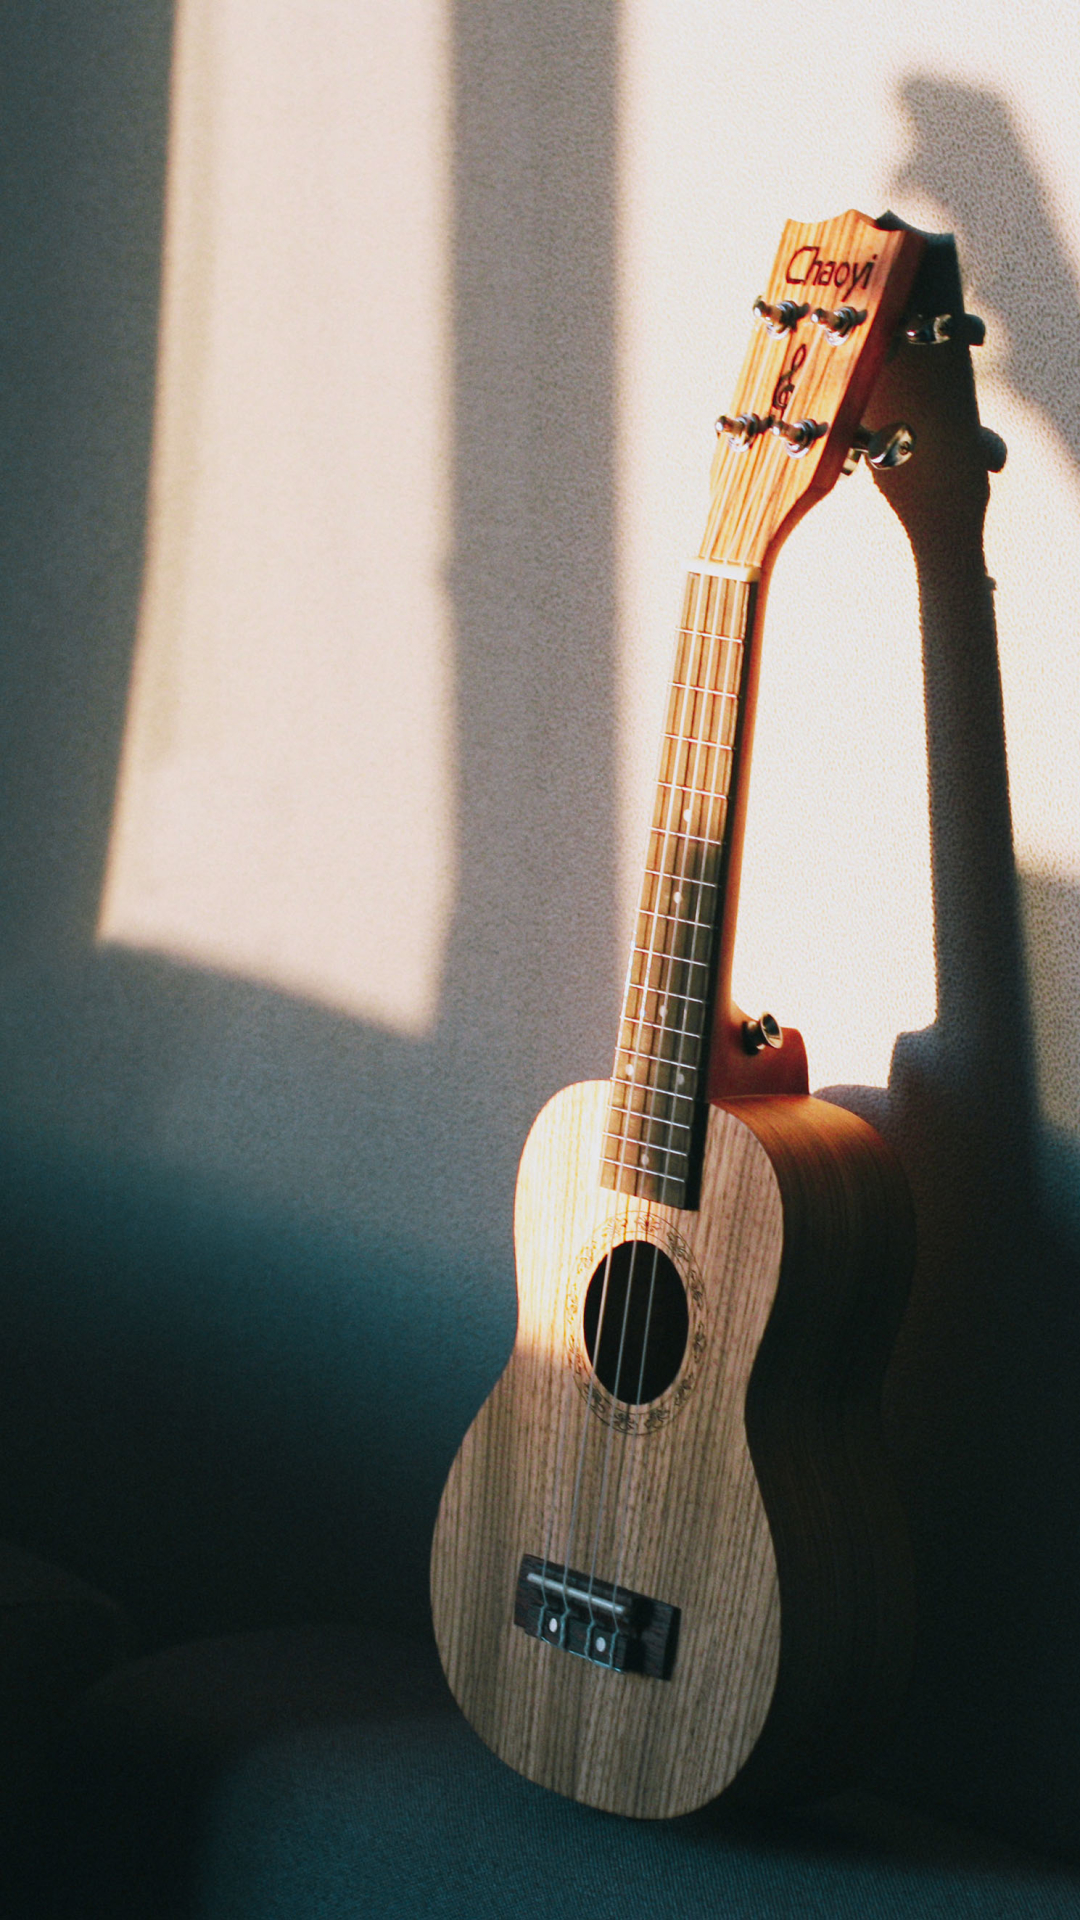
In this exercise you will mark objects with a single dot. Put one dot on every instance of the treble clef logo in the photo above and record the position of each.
(785, 386)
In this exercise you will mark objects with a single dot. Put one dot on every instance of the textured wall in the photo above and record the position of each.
(336, 616)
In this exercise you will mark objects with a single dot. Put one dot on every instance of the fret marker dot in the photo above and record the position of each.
(682, 1077)
(601, 1643)
(686, 813)
(676, 896)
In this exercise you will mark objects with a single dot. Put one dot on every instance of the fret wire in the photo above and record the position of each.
(696, 880)
(649, 1119)
(631, 1054)
(697, 740)
(674, 1172)
(654, 912)
(666, 1063)
(675, 825)
(679, 959)
(671, 944)
(690, 633)
(661, 924)
(628, 1114)
(690, 840)
(724, 570)
(718, 692)
(691, 926)
(647, 1091)
(718, 646)
(680, 887)
(710, 794)
(654, 1142)
(654, 1163)
(670, 1153)
(641, 1080)
(688, 999)
(705, 664)
(677, 813)
(639, 1053)
(634, 1124)
(673, 1149)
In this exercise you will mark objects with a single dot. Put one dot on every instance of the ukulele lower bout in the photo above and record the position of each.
(618, 1570)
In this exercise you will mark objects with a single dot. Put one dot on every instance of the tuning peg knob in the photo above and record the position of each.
(839, 323)
(780, 319)
(800, 437)
(766, 1032)
(936, 329)
(888, 447)
(742, 429)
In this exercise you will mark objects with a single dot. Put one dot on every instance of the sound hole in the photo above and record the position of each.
(645, 1322)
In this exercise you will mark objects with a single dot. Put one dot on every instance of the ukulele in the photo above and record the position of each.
(669, 1552)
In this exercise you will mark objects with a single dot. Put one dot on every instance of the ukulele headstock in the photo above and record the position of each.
(822, 328)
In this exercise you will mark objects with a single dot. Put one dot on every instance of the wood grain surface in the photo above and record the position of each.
(759, 494)
(677, 1508)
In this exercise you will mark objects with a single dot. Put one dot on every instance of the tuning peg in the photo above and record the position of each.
(742, 429)
(839, 323)
(766, 1032)
(801, 436)
(779, 319)
(936, 329)
(888, 447)
(994, 449)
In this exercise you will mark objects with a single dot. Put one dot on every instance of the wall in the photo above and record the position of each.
(361, 370)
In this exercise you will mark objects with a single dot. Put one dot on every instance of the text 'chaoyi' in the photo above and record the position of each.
(807, 268)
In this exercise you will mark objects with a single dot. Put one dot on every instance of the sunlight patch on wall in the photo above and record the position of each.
(285, 807)
(836, 923)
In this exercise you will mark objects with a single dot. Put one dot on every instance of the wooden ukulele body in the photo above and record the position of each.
(753, 1494)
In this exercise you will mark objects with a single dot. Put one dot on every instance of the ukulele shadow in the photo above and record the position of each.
(983, 1393)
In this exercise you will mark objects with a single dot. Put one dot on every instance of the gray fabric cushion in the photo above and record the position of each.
(311, 1775)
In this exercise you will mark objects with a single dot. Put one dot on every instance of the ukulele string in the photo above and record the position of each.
(676, 728)
(609, 1441)
(611, 1428)
(691, 689)
(583, 1447)
(704, 685)
(717, 685)
(605, 1290)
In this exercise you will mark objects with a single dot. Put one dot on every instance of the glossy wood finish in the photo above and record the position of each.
(759, 494)
(781, 1550)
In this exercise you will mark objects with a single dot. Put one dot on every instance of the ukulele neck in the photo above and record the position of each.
(677, 970)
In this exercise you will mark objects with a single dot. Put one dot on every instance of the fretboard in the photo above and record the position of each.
(653, 1133)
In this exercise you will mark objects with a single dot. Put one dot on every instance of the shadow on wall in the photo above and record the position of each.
(969, 159)
(224, 1399)
(984, 1393)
